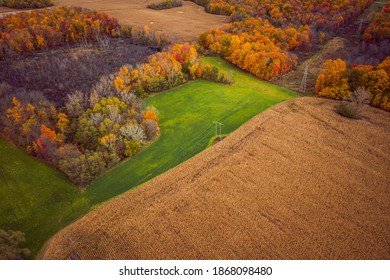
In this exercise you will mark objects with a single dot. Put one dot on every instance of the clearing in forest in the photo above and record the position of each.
(186, 121)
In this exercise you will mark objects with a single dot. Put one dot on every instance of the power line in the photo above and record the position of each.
(360, 27)
(218, 128)
(178, 154)
(302, 87)
(184, 152)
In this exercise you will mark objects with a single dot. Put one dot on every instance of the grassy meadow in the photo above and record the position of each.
(34, 198)
(40, 201)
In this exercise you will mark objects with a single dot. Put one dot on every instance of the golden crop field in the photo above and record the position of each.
(296, 182)
(182, 23)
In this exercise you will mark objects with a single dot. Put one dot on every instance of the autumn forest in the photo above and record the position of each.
(74, 83)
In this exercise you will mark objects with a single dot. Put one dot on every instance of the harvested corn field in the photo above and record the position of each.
(182, 23)
(296, 182)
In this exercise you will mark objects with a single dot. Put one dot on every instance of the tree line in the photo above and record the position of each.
(21, 4)
(165, 70)
(166, 4)
(88, 135)
(44, 29)
(255, 45)
(339, 80)
(379, 29)
(321, 15)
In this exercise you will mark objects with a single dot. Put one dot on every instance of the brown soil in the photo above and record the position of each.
(182, 23)
(296, 182)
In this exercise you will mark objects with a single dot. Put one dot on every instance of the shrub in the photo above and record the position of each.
(166, 4)
(10, 245)
(357, 100)
(346, 110)
(152, 129)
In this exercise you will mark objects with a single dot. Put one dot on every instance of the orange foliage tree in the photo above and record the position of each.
(379, 28)
(331, 83)
(165, 70)
(255, 45)
(337, 81)
(25, 32)
(320, 14)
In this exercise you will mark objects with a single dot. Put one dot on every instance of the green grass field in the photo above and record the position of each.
(35, 198)
(39, 201)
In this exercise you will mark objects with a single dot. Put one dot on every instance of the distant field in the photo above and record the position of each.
(296, 182)
(40, 201)
(5, 10)
(183, 23)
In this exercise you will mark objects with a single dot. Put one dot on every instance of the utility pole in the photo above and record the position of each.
(302, 87)
(360, 27)
(218, 128)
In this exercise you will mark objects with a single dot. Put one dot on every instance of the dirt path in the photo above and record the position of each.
(296, 182)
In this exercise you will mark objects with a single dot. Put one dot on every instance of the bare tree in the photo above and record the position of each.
(4, 88)
(76, 103)
(133, 132)
(113, 113)
(97, 118)
(93, 98)
(127, 97)
(359, 99)
(103, 41)
(104, 87)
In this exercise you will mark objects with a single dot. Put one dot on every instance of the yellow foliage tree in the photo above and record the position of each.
(377, 83)
(109, 141)
(62, 122)
(331, 83)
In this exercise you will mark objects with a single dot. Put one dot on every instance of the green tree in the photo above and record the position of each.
(10, 245)
(132, 147)
(87, 135)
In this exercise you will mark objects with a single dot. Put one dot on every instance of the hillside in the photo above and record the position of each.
(296, 182)
(41, 201)
(186, 116)
(34, 198)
